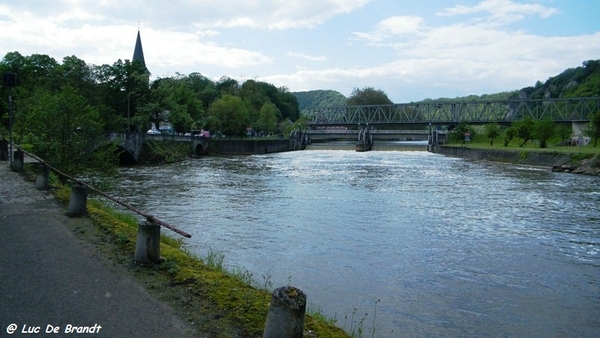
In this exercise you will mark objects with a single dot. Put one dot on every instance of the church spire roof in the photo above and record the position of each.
(138, 52)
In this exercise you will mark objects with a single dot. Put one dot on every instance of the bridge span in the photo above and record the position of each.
(573, 110)
(322, 134)
(132, 143)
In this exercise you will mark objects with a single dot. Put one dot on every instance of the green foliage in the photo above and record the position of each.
(509, 134)
(458, 134)
(367, 96)
(524, 129)
(492, 131)
(593, 130)
(310, 100)
(65, 130)
(267, 120)
(154, 152)
(563, 131)
(582, 81)
(543, 130)
(229, 115)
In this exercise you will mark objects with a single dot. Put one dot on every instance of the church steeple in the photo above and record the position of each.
(138, 52)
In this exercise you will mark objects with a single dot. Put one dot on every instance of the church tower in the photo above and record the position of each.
(138, 52)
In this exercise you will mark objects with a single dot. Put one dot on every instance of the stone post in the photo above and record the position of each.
(78, 201)
(41, 181)
(18, 161)
(147, 247)
(286, 313)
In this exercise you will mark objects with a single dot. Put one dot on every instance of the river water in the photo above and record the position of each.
(397, 243)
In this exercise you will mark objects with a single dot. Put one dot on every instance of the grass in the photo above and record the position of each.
(480, 143)
(219, 302)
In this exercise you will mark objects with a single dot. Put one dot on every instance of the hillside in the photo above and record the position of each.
(582, 81)
(319, 98)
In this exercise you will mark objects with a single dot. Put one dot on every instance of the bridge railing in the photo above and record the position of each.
(558, 110)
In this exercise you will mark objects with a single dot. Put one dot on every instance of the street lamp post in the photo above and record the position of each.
(9, 80)
(128, 113)
(10, 151)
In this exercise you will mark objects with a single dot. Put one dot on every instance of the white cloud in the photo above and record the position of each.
(393, 26)
(306, 57)
(501, 11)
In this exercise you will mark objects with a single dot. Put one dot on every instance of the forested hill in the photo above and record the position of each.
(583, 81)
(319, 98)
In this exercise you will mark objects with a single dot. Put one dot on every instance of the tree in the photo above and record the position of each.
(229, 115)
(524, 130)
(227, 85)
(458, 135)
(267, 120)
(509, 134)
(543, 130)
(492, 131)
(367, 96)
(66, 131)
(593, 130)
(564, 132)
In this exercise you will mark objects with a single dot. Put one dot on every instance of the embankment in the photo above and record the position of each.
(588, 164)
(248, 147)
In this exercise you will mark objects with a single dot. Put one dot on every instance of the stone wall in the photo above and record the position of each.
(248, 147)
(541, 159)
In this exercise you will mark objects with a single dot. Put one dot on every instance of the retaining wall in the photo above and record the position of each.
(540, 159)
(248, 147)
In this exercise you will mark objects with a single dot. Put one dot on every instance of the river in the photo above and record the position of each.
(397, 243)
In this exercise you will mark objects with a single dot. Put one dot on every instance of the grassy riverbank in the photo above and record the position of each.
(218, 303)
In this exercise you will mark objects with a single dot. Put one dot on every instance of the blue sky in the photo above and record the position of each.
(412, 50)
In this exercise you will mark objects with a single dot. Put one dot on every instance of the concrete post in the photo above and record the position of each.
(78, 201)
(286, 313)
(41, 181)
(147, 247)
(18, 161)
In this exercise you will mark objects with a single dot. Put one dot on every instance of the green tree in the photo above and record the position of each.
(367, 96)
(543, 130)
(267, 121)
(66, 131)
(593, 130)
(509, 134)
(524, 130)
(492, 131)
(564, 132)
(229, 115)
(458, 135)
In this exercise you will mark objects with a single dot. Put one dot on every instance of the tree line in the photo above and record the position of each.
(61, 109)
(528, 129)
(125, 99)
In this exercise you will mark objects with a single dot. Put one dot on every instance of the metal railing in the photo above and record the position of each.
(148, 217)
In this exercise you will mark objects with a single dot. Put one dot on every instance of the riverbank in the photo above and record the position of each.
(53, 280)
(571, 162)
(214, 301)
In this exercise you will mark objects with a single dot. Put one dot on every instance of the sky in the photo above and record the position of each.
(412, 50)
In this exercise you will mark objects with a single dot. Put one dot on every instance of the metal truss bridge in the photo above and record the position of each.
(450, 113)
